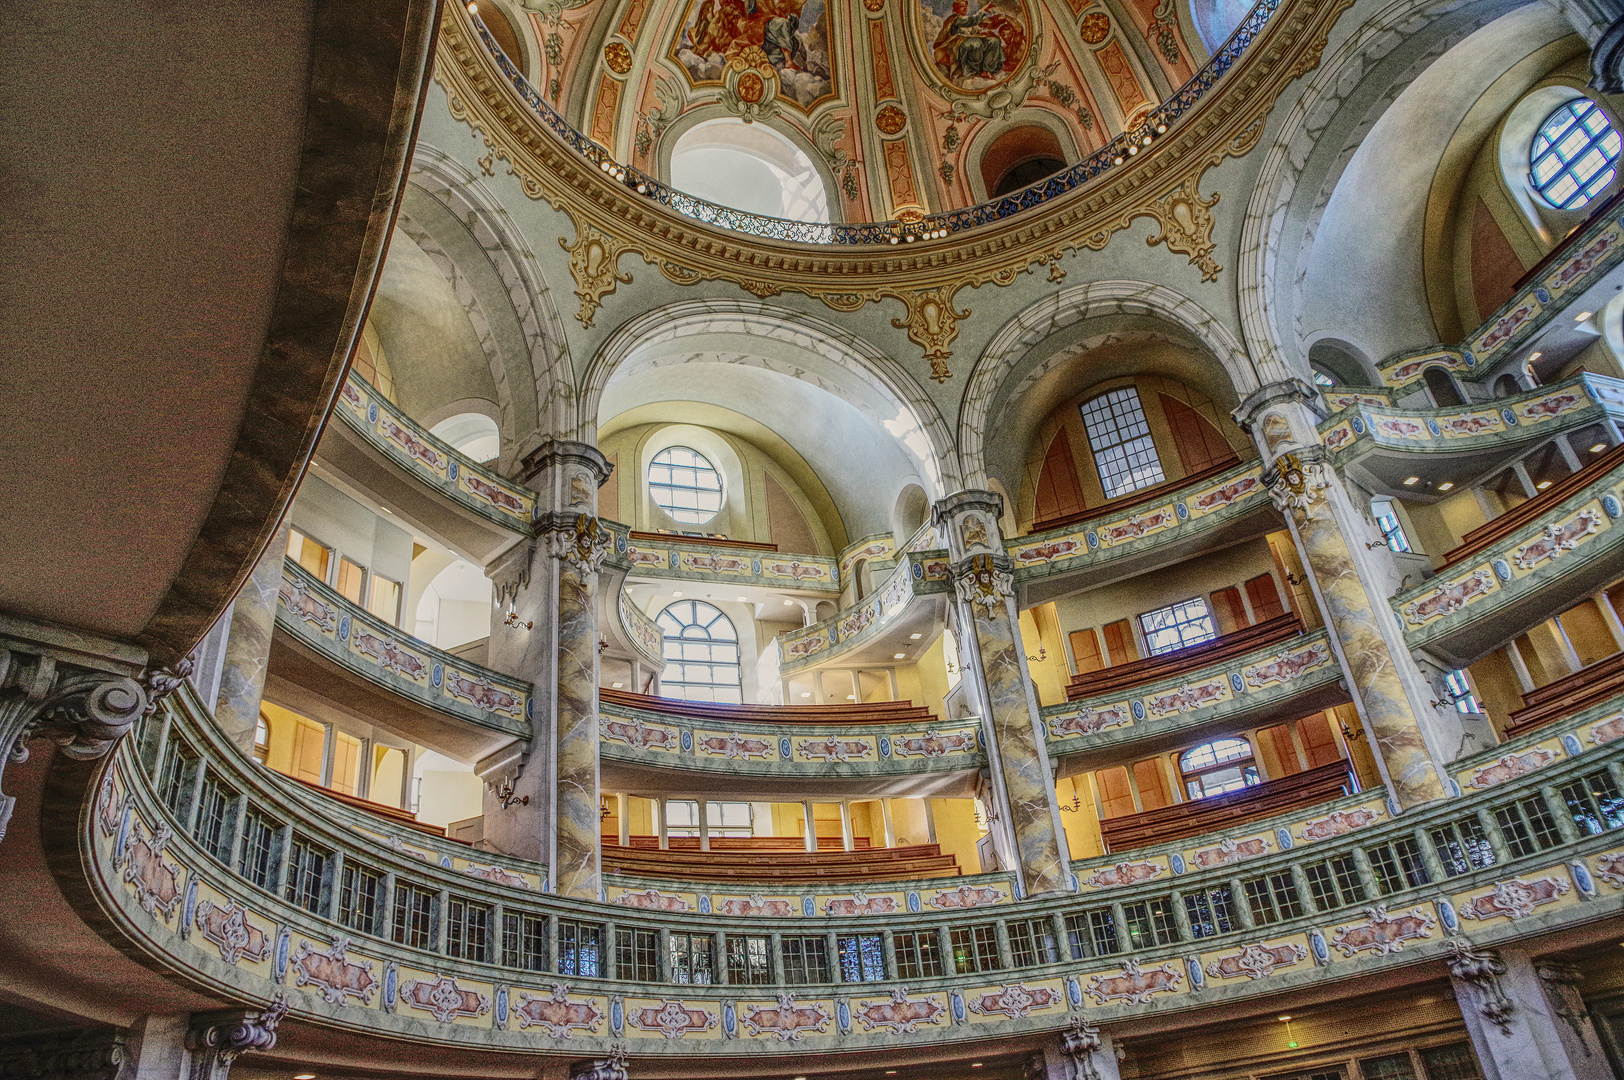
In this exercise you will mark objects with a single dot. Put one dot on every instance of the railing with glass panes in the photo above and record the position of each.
(233, 878)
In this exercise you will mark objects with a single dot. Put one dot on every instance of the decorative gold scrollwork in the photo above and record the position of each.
(594, 263)
(932, 324)
(1186, 223)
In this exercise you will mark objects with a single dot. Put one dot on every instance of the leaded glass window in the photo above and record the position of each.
(1217, 767)
(862, 958)
(701, 649)
(1124, 452)
(685, 485)
(1177, 626)
(1574, 155)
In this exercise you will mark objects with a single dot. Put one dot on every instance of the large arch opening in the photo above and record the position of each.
(749, 167)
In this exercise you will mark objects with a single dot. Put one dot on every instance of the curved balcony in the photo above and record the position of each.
(657, 556)
(338, 652)
(1521, 568)
(869, 630)
(1212, 693)
(1381, 445)
(1341, 892)
(386, 453)
(1115, 543)
(851, 265)
(1578, 271)
(817, 750)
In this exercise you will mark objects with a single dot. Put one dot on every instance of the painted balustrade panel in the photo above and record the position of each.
(764, 904)
(682, 559)
(388, 656)
(1176, 517)
(917, 574)
(766, 750)
(432, 461)
(642, 631)
(191, 913)
(1340, 398)
(1541, 413)
(1279, 671)
(1573, 533)
(1590, 255)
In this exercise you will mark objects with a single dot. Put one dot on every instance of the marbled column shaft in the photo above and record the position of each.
(1393, 724)
(1022, 759)
(248, 646)
(577, 855)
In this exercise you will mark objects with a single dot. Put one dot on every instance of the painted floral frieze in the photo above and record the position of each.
(1381, 933)
(557, 1014)
(1013, 1002)
(228, 927)
(333, 973)
(1510, 767)
(1257, 961)
(786, 1020)
(672, 1019)
(901, 1015)
(1135, 985)
(1515, 899)
(444, 999)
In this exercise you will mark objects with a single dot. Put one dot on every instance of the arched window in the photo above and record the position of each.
(1219, 766)
(1124, 452)
(1443, 389)
(1323, 378)
(701, 653)
(749, 167)
(685, 485)
(1573, 156)
(473, 434)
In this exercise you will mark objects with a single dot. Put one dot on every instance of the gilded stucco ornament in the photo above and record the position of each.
(750, 86)
(983, 583)
(595, 266)
(1080, 1043)
(932, 323)
(579, 539)
(1295, 483)
(1161, 181)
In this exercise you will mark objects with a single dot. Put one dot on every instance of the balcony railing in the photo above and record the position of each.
(393, 660)
(1580, 261)
(680, 558)
(1540, 414)
(1569, 535)
(432, 461)
(763, 743)
(919, 573)
(1232, 686)
(264, 903)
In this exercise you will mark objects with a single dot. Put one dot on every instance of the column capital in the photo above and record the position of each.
(984, 581)
(577, 539)
(216, 1040)
(1292, 390)
(969, 520)
(77, 1055)
(1482, 969)
(556, 452)
(612, 1067)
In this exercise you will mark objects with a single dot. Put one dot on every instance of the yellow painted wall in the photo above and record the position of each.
(908, 819)
(1498, 691)
(957, 833)
(449, 790)
(1083, 824)
(1588, 633)
(1040, 633)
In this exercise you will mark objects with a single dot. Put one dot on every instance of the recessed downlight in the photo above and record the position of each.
(899, 656)
(1542, 485)
(1446, 485)
(1582, 316)
(1598, 448)
(1411, 481)
(915, 637)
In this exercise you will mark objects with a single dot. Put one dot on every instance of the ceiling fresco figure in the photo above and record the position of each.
(975, 51)
(793, 34)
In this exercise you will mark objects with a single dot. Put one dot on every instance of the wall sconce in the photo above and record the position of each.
(1351, 735)
(512, 619)
(1293, 578)
(504, 795)
(1043, 654)
(603, 644)
(1075, 807)
(603, 810)
(1372, 545)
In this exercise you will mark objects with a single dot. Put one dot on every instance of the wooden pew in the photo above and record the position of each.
(1219, 812)
(1281, 628)
(759, 864)
(1586, 687)
(1520, 517)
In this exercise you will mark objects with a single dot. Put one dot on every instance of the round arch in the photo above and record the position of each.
(1015, 340)
(892, 398)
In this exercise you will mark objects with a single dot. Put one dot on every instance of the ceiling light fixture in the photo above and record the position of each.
(1582, 316)
(676, 594)
(1542, 485)
(900, 656)
(614, 686)
(1409, 481)
(915, 637)
(789, 603)
(1533, 357)
(806, 693)
(1291, 1040)
(1598, 448)
(1446, 485)
(744, 599)
(312, 1076)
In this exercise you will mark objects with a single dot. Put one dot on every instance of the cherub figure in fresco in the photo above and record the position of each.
(979, 46)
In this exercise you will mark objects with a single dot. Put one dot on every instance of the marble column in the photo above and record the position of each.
(1392, 695)
(568, 474)
(248, 646)
(994, 663)
(1525, 1016)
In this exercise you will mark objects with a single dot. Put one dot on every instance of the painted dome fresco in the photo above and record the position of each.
(856, 110)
